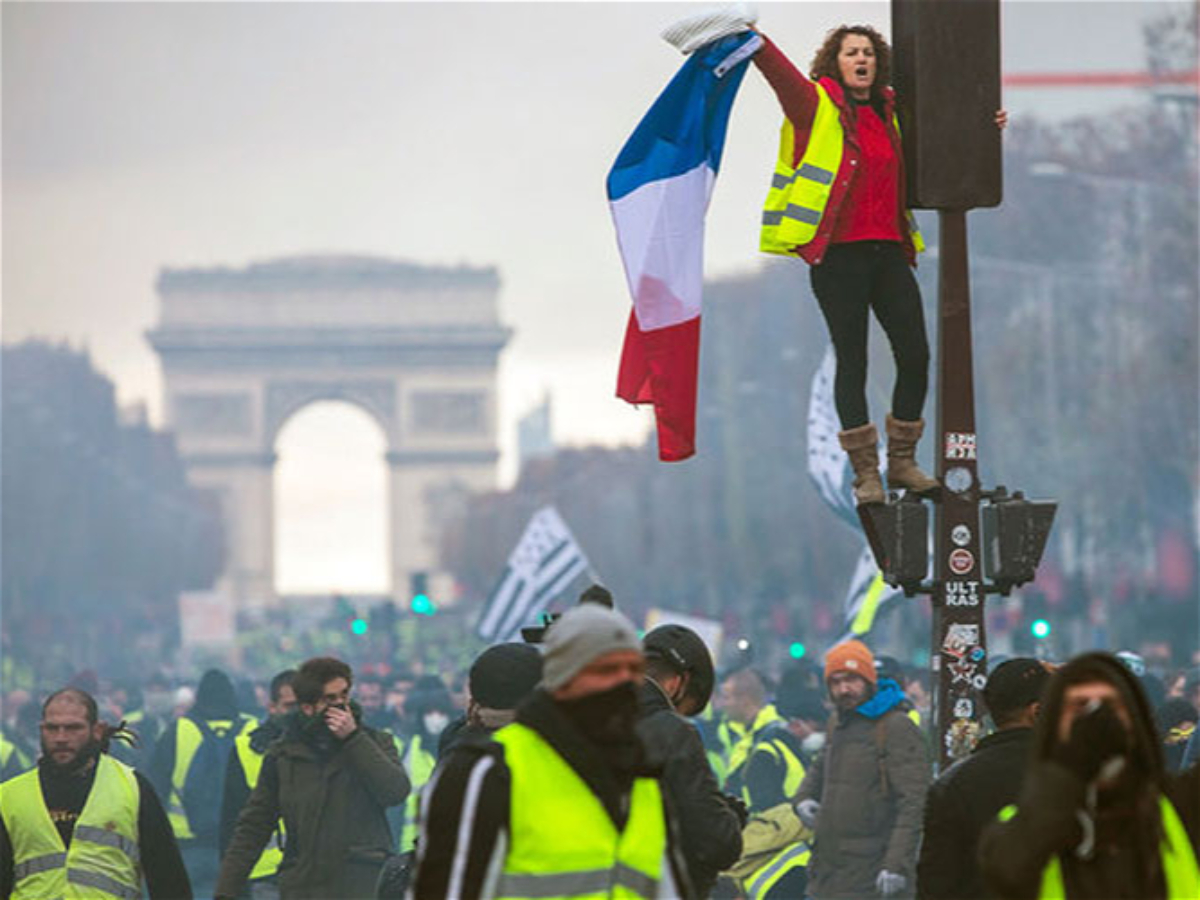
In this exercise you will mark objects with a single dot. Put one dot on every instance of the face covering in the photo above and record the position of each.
(605, 718)
(435, 722)
(813, 743)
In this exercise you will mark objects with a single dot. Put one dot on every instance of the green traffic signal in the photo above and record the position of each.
(797, 650)
(358, 626)
(1039, 628)
(422, 605)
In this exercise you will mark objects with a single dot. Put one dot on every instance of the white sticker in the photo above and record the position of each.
(961, 535)
(962, 593)
(963, 708)
(960, 445)
(959, 479)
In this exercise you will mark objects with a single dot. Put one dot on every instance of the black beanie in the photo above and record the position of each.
(504, 675)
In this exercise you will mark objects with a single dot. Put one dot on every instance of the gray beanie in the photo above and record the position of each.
(584, 633)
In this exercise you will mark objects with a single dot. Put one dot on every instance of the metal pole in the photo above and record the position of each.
(958, 657)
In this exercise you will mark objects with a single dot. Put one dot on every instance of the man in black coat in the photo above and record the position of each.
(679, 682)
(968, 795)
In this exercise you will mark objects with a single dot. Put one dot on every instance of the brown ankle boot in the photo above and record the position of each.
(862, 446)
(903, 471)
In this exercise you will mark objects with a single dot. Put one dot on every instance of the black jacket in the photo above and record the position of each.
(477, 766)
(710, 831)
(1124, 861)
(162, 865)
(960, 804)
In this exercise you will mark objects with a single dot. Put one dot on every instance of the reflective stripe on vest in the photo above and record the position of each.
(187, 741)
(793, 774)
(419, 763)
(792, 857)
(1178, 859)
(768, 715)
(798, 196)
(562, 842)
(272, 855)
(103, 856)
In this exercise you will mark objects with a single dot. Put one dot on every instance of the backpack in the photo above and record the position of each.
(203, 787)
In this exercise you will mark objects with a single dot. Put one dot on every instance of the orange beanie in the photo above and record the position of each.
(850, 656)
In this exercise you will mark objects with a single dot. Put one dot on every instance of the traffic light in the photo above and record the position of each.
(1039, 628)
(358, 626)
(797, 650)
(421, 604)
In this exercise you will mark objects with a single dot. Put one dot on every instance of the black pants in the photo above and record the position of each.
(873, 275)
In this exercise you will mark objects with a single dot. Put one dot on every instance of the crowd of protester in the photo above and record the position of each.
(814, 781)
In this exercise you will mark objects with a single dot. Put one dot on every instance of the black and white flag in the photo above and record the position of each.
(544, 563)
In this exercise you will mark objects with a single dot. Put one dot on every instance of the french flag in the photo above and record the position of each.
(659, 189)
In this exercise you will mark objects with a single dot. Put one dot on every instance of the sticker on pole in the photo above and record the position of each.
(960, 445)
(961, 561)
(961, 535)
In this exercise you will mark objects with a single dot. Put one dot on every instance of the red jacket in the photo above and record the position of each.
(798, 97)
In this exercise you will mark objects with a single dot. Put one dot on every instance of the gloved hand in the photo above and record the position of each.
(888, 884)
(1097, 737)
(738, 805)
(809, 811)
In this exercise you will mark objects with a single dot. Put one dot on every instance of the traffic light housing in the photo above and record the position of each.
(420, 601)
(1015, 531)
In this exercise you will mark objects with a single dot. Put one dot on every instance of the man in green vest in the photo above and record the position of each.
(81, 824)
(241, 775)
(744, 701)
(188, 769)
(1097, 816)
(561, 803)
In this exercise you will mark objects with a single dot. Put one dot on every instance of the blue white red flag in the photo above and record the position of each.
(658, 190)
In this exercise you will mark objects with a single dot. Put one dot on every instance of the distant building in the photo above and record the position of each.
(416, 347)
(535, 435)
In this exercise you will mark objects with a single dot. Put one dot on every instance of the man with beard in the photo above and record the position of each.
(241, 775)
(1097, 816)
(864, 794)
(330, 779)
(82, 824)
(560, 803)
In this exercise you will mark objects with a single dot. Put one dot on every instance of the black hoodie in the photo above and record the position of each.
(1125, 861)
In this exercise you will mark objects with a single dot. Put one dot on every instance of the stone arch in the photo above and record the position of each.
(416, 347)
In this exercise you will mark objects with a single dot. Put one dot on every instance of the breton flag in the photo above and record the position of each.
(544, 563)
(658, 190)
(831, 474)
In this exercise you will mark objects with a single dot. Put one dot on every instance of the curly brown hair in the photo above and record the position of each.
(825, 64)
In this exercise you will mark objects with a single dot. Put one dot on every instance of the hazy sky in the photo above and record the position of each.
(144, 135)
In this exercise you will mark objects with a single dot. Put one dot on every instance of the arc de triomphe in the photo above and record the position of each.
(242, 350)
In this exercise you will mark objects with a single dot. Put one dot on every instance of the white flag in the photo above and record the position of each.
(544, 563)
(829, 469)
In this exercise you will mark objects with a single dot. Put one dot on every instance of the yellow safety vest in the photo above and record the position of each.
(799, 194)
(9, 750)
(741, 751)
(252, 761)
(794, 856)
(419, 764)
(103, 860)
(187, 741)
(562, 842)
(1179, 860)
(794, 768)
